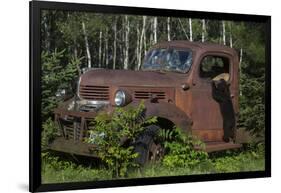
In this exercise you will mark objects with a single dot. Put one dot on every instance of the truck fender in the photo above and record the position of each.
(169, 112)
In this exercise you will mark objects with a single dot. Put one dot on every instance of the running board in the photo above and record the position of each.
(218, 146)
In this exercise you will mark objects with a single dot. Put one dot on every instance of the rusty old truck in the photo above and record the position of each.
(194, 86)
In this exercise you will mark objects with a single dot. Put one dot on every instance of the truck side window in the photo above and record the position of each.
(213, 66)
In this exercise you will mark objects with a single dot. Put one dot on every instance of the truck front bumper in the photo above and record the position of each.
(61, 144)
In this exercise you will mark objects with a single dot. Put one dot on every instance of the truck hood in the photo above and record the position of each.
(131, 78)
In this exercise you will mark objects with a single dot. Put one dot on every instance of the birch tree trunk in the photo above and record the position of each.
(106, 48)
(168, 29)
(203, 30)
(155, 30)
(76, 56)
(121, 46)
(100, 44)
(241, 56)
(144, 33)
(114, 43)
(127, 31)
(230, 35)
(151, 41)
(142, 41)
(87, 45)
(103, 52)
(138, 45)
(223, 33)
(190, 29)
(183, 29)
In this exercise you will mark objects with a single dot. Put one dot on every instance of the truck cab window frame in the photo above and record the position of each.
(213, 65)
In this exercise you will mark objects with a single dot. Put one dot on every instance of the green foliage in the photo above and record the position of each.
(252, 114)
(56, 75)
(166, 134)
(110, 131)
(55, 162)
(50, 131)
(55, 170)
(240, 161)
(181, 151)
(58, 170)
(252, 77)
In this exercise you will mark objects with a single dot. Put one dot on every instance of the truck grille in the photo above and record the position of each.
(148, 94)
(99, 93)
(71, 127)
(72, 133)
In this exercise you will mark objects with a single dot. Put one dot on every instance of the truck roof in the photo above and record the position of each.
(196, 46)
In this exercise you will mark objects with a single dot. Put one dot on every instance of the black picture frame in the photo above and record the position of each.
(35, 96)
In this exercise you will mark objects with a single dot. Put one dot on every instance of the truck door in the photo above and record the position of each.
(206, 111)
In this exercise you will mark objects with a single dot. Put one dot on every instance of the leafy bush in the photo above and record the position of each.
(110, 133)
(55, 162)
(181, 151)
(50, 131)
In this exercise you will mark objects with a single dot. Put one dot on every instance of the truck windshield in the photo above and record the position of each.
(168, 60)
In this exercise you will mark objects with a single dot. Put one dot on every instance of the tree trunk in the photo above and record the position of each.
(114, 43)
(203, 30)
(155, 30)
(87, 45)
(168, 29)
(241, 56)
(76, 56)
(106, 48)
(100, 49)
(223, 33)
(142, 41)
(144, 34)
(230, 35)
(151, 31)
(138, 45)
(127, 31)
(183, 29)
(190, 29)
(103, 52)
(121, 47)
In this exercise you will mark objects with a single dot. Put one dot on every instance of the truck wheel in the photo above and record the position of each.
(147, 148)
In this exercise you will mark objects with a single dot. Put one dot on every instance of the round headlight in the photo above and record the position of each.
(120, 98)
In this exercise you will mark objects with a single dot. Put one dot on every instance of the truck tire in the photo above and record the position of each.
(147, 148)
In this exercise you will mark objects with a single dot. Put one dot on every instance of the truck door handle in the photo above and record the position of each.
(185, 86)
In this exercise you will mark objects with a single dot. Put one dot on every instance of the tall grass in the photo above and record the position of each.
(56, 169)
